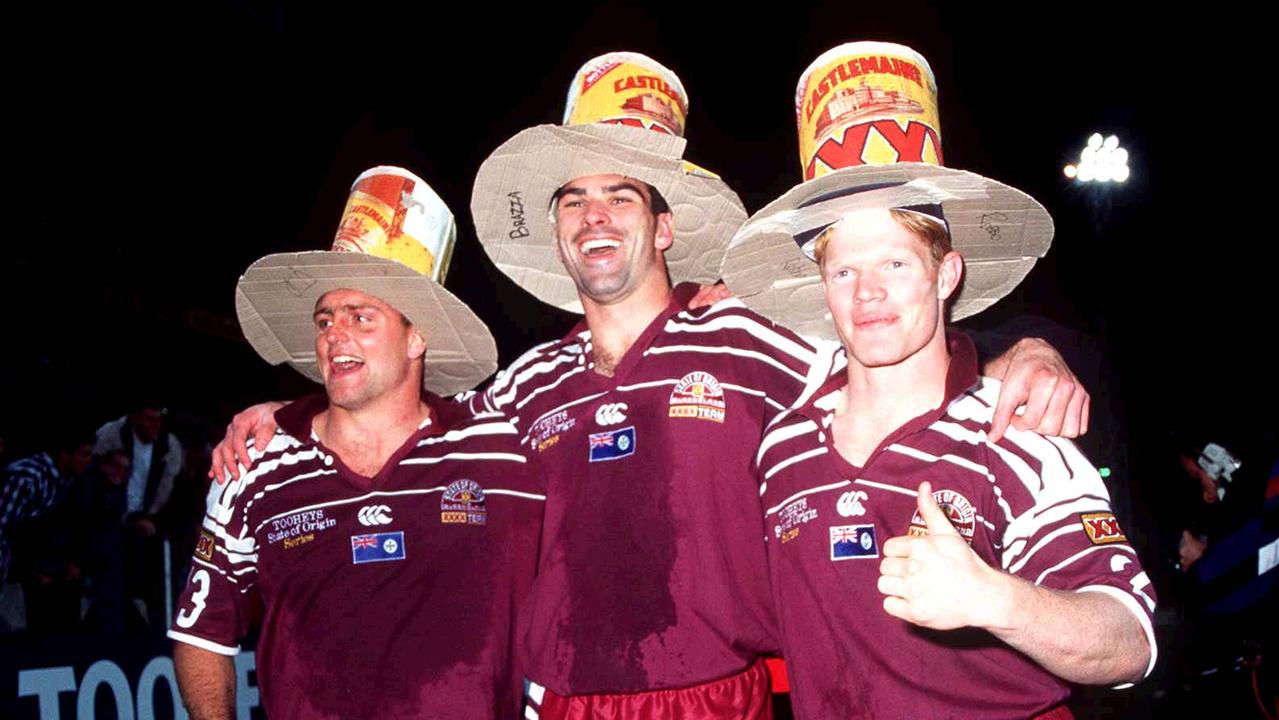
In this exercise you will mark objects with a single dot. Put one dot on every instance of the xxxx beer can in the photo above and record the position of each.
(394, 214)
(867, 103)
(627, 88)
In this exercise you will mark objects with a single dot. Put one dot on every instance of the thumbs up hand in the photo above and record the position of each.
(936, 581)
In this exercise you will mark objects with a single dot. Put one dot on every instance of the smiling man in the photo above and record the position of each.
(607, 254)
(1009, 577)
(389, 543)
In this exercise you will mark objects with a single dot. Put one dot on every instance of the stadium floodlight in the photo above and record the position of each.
(1102, 160)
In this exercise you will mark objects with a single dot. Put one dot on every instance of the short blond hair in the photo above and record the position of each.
(931, 231)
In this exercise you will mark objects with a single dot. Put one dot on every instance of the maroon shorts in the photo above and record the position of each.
(744, 696)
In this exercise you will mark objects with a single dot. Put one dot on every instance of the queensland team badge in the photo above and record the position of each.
(463, 504)
(612, 445)
(958, 510)
(698, 395)
(849, 542)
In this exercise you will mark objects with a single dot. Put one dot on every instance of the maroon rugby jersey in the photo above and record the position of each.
(390, 597)
(652, 574)
(1031, 505)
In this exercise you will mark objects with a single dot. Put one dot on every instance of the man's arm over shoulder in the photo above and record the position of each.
(778, 362)
(542, 365)
(1088, 582)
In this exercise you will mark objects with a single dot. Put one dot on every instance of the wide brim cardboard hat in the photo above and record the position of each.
(625, 115)
(1000, 231)
(395, 234)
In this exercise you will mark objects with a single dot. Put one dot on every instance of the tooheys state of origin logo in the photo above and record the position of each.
(463, 504)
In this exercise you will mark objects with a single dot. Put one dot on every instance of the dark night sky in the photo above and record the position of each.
(158, 155)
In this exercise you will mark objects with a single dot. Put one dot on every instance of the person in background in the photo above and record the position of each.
(37, 548)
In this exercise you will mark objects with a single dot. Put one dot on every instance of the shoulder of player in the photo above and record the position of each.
(484, 450)
(570, 346)
(976, 404)
(1052, 469)
(790, 439)
(491, 437)
(542, 364)
(284, 456)
(730, 323)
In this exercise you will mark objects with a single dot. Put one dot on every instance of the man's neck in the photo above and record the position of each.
(615, 327)
(879, 400)
(365, 438)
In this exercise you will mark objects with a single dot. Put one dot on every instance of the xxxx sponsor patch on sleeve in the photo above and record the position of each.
(1102, 528)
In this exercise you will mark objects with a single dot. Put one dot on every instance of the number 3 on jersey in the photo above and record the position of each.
(186, 619)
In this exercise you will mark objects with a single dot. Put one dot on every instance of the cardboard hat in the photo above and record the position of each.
(870, 139)
(394, 242)
(625, 116)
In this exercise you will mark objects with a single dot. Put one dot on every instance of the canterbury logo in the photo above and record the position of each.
(375, 515)
(610, 414)
(850, 504)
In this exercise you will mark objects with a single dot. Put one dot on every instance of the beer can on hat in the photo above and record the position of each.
(392, 213)
(867, 103)
(627, 88)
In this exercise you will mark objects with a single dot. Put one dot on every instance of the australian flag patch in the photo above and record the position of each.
(848, 542)
(377, 547)
(612, 445)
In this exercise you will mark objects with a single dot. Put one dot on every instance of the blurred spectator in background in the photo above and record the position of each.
(45, 561)
(1228, 553)
(155, 457)
(101, 507)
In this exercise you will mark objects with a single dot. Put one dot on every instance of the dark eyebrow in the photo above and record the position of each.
(327, 310)
(580, 192)
(625, 186)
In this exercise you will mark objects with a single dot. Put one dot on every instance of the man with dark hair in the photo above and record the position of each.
(32, 488)
(155, 456)
(389, 542)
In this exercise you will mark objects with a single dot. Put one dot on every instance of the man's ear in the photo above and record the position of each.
(417, 344)
(949, 273)
(664, 234)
